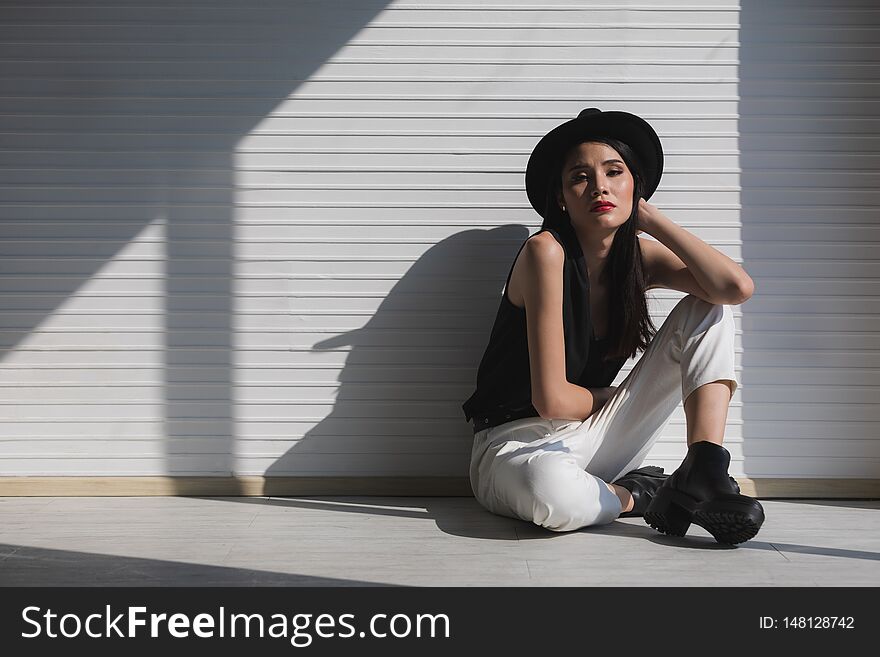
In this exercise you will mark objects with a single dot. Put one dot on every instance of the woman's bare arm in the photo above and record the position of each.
(682, 261)
(553, 396)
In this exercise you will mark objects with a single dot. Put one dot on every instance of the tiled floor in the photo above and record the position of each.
(425, 541)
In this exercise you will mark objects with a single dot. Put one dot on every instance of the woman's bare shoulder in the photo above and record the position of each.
(540, 253)
(544, 242)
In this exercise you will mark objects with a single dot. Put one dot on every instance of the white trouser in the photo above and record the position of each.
(553, 472)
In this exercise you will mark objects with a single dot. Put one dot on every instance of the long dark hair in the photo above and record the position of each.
(629, 325)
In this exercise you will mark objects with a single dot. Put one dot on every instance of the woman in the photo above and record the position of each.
(554, 443)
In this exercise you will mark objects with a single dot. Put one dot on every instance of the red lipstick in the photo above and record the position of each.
(602, 206)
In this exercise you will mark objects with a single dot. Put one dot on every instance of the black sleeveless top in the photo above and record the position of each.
(504, 377)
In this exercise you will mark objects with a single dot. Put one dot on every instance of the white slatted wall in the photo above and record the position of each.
(271, 237)
(809, 142)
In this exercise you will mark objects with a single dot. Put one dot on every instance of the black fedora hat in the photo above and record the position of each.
(593, 122)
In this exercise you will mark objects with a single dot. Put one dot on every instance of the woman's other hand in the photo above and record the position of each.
(609, 392)
(601, 396)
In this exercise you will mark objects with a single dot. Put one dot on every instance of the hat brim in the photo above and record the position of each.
(628, 128)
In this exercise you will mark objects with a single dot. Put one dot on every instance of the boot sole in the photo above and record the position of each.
(731, 518)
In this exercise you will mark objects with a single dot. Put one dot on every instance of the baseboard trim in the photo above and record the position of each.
(769, 488)
(806, 488)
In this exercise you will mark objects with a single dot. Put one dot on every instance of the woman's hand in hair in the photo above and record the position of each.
(647, 217)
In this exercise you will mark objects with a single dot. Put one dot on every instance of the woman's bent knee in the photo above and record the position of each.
(562, 497)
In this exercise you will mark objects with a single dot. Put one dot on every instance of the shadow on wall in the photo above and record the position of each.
(124, 117)
(401, 388)
(804, 110)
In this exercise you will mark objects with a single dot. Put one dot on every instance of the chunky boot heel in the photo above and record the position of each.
(731, 521)
(667, 516)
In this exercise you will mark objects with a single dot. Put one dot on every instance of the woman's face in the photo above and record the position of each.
(594, 172)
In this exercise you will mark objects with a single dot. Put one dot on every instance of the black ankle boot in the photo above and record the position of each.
(642, 485)
(701, 492)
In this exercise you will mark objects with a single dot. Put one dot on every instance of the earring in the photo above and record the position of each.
(563, 208)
